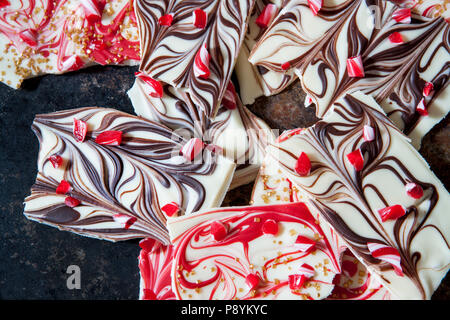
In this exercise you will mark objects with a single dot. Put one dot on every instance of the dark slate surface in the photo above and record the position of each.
(34, 257)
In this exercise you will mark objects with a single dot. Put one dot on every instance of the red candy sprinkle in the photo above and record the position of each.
(4, 3)
(414, 190)
(124, 219)
(402, 15)
(303, 165)
(355, 68)
(218, 230)
(56, 161)
(266, 16)
(200, 18)
(315, 6)
(252, 281)
(356, 159)
(192, 148)
(368, 133)
(422, 108)
(229, 98)
(71, 202)
(296, 281)
(201, 63)
(79, 129)
(386, 253)
(63, 187)
(166, 20)
(155, 86)
(270, 226)
(112, 138)
(392, 213)
(29, 36)
(396, 37)
(171, 209)
(427, 89)
(285, 65)
(305, 244)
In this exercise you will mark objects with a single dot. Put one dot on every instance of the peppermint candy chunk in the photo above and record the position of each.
(396, 38)
(402, 15)
(72, 63)
(422, 108)
(414, 190)
(285, 66)
(200, 18)
(368, 133)
(303, 165)
(355, 68)
(93, 10)
(166, 20)
(252, 280)
(270, 226)
(79, 130)
(201, 63)
(427, 89)
(356, 159)
(56, 161)
(29, 36)
(124, 219)
(392, 213)
(229, 98)
(305, 272)
(171, 209)
(305, 244)
(156, 86)
(218, 230)
(192, 148)
(386, 253)
(63, 187)
(4, 3)
(71, 202)
(266, 16)
(308, 101)
(112, 137)
(315, 6)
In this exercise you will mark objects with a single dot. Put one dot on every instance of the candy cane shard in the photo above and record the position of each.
(123, 186)
(235, 132)
(225, 253)
(54, 37)
(198, 51)
(349, 201)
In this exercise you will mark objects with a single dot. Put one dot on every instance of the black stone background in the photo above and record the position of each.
(34, 257)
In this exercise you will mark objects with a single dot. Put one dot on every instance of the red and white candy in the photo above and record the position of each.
(79, 130)
(192, 148)
(427, 89)
(29, 36)
(200, 18)
(201, 63)
(71, 202)
(93, 10)
(392, 213)
(165, 20)
(218, 230)
(386, 253)
(171, 209)
(355, 68)
(303, 165)
(304, 244)
(266, 16)
(72, 63)
(56, 161)
(315, 6)
(124, 219)
(396, 38)
(305, 272)
(63, 187)
(402, 15)
(112, 138)
(270, 226)
(252, 280)
(156, 89)
(422, 108)
(285, 66)
(414, 190)
(356, 159)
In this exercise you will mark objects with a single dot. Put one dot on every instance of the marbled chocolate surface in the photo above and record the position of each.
(35, 257)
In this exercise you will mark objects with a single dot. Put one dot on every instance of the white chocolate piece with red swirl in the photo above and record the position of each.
(205, 268)
(350, 200)
(239, 134)
(54, 37)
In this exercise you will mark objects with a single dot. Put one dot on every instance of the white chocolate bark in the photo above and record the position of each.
(241, 135)
(65, 39)
(135, 179)
(204, 268)
(349, 200)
